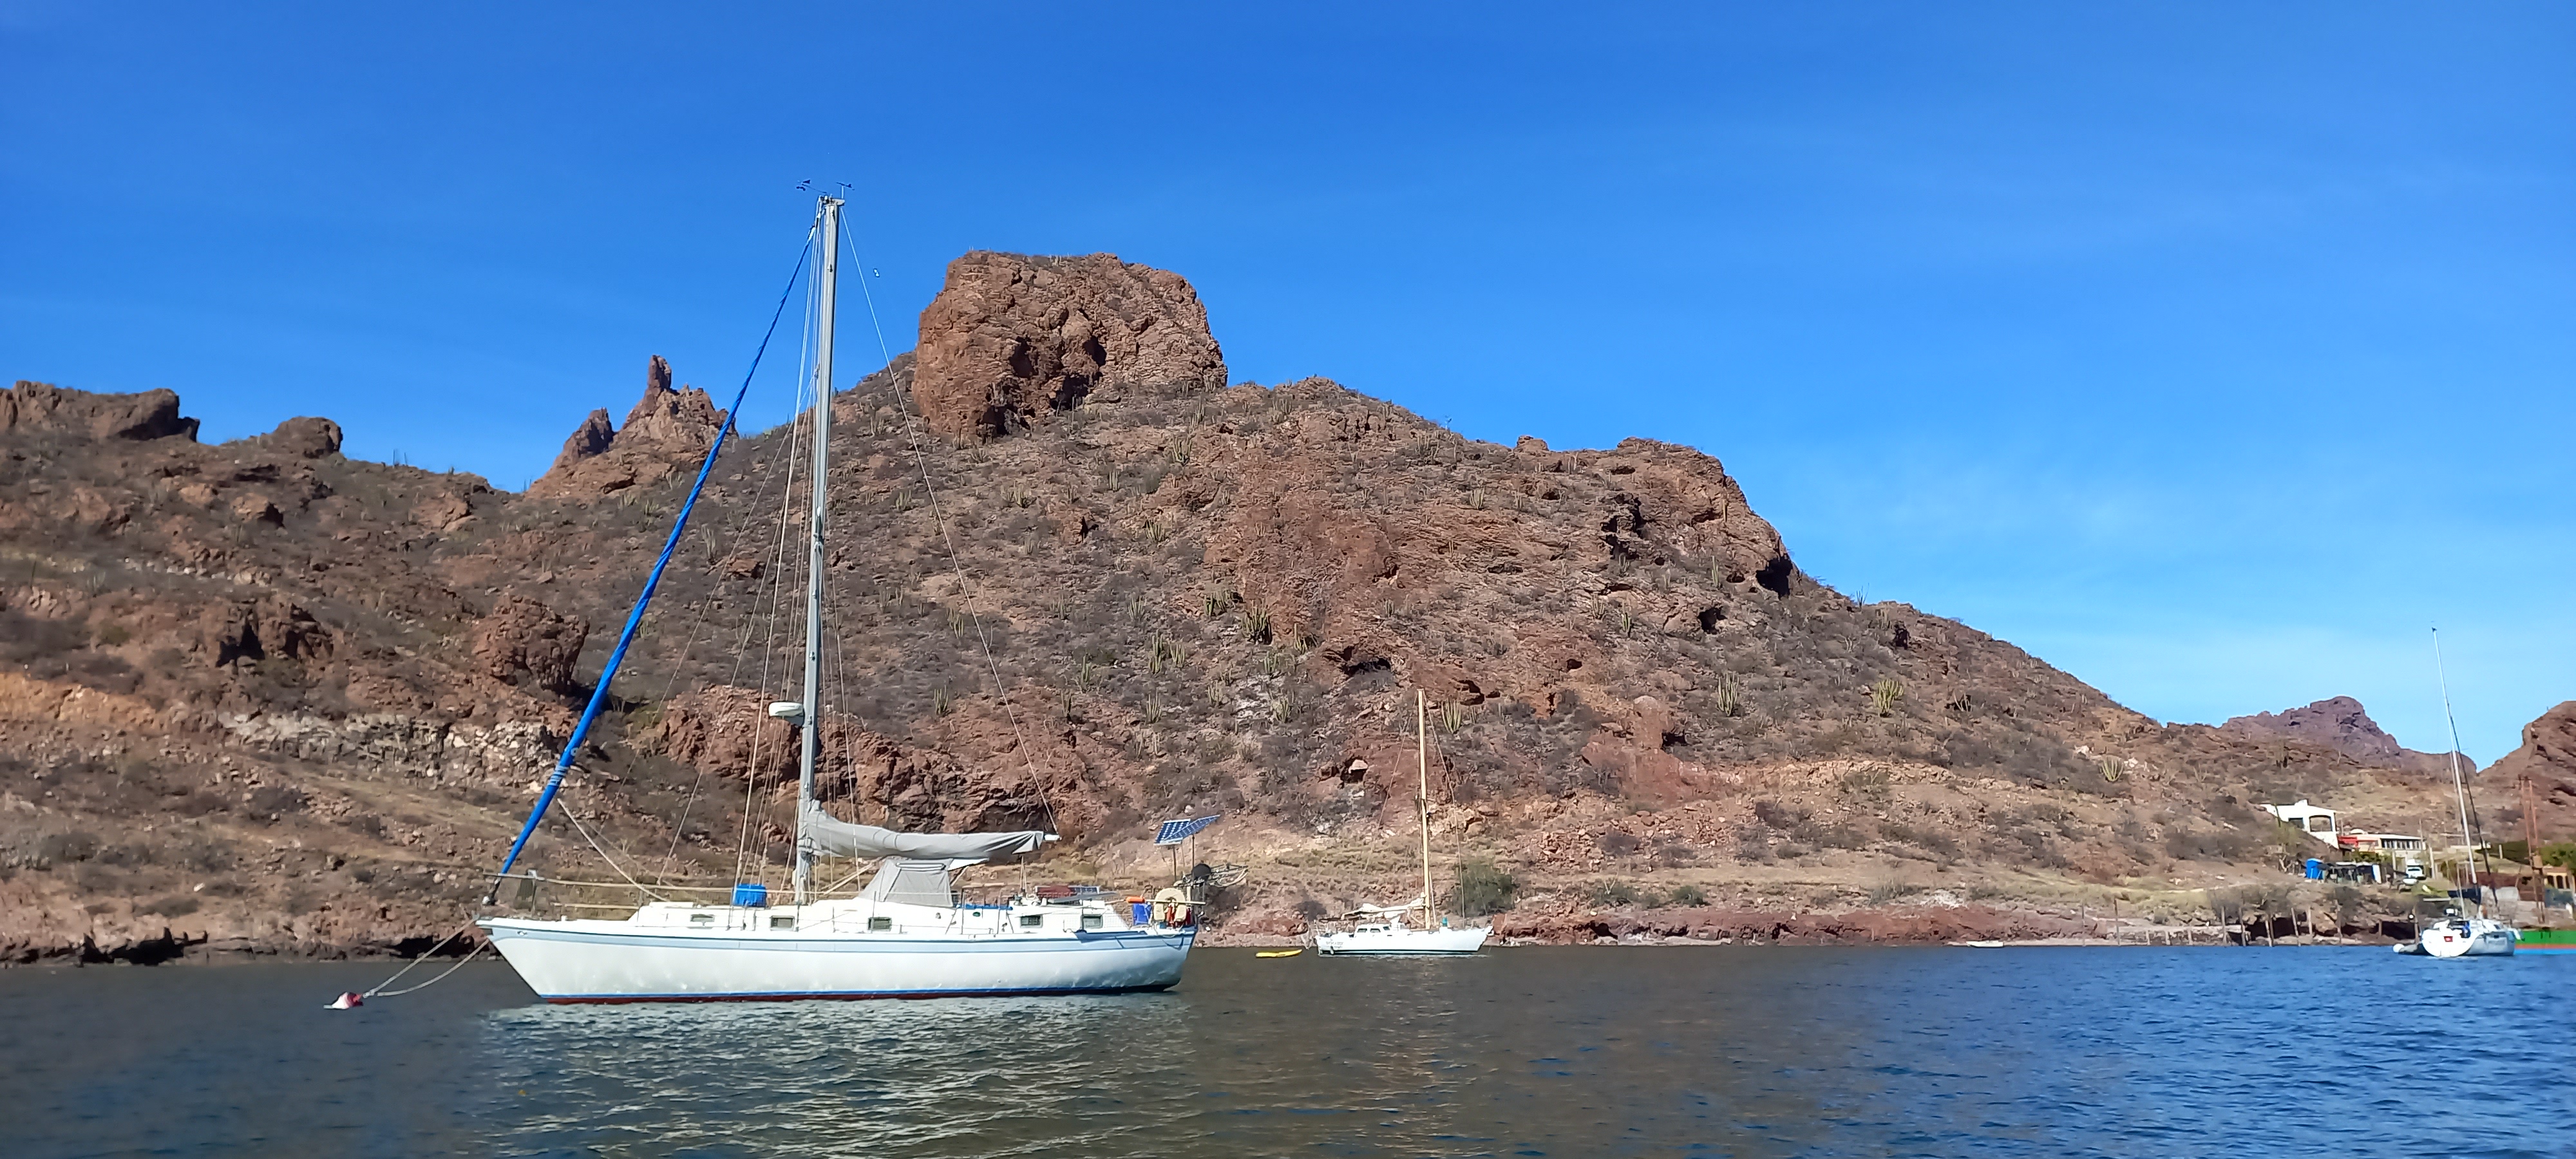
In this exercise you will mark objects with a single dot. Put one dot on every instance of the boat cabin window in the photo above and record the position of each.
(880, 923)
(2320, 825)
(1091, 921)
(702, 919)
(1032, 921)
(781, 922)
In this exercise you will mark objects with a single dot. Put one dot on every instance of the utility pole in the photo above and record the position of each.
(2530, 820)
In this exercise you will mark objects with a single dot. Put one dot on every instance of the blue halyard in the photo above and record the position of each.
(635, 619)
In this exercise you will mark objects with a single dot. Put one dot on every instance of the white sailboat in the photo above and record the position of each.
(2462, 936)
(2467, 937)
(1381, 929)
(906, 935)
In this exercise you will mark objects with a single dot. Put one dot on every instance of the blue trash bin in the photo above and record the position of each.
(2316, 870)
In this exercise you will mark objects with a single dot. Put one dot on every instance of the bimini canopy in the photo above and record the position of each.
(917, 882)
(1371, 911)
(830, 836)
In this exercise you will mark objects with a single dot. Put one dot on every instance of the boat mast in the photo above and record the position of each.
(1422, 766)
(2459, 780)
(810, 729)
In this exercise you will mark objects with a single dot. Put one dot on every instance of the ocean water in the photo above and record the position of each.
(1696, 1051)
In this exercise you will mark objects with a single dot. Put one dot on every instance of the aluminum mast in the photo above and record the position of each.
(1422, 768)
(2459, 780)
(809, 730)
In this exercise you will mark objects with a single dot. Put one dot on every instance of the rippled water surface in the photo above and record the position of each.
(1520, 1051)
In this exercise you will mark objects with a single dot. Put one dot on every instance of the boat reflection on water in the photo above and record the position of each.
(1369, 1056)
(983, 1076)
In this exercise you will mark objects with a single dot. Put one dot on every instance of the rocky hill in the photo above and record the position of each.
(2340, 723)
(262, 697)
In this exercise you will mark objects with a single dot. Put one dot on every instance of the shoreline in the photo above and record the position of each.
(200, 956)
(1964, 926)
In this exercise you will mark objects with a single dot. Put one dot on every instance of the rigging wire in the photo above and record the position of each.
(578, 827)
(702, 621)
(939, 521)
(796, 432)
(733, 679)
(643, 599)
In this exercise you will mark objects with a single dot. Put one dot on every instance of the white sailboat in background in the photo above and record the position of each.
(906, 935)
(1381, 929)
(2462, 936)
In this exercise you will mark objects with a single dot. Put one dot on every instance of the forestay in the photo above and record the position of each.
(828, 836)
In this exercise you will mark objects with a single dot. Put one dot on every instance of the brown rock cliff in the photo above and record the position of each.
(1012, 338)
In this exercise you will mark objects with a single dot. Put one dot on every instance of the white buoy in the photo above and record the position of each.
(346, 1000)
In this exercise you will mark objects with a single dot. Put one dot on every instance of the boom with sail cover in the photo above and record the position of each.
(825, 835)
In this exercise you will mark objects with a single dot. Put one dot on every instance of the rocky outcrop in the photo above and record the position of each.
(668, 430)
(527, 643)
(589, 440)
(261, 629)
(2548, 758)
(305, 437)
(32, 407)
(2339, 723)
(1012, 338)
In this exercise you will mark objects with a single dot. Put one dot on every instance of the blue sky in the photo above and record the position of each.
(2211, 352)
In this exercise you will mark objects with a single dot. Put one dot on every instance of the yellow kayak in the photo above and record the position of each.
(1277, 953)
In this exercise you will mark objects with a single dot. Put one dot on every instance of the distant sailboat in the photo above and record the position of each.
(2464, 936)
(1381, 929)
(906, 935)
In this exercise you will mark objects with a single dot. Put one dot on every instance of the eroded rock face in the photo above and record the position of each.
(1333, 563)
(262, 629)
(669, 430)
(728, 731)
(2548, 758)
(506, 754)
(1011, 338)
(529, 644)
(40, 406)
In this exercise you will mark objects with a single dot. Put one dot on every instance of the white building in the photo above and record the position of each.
(2311, 820)
(2398, 846)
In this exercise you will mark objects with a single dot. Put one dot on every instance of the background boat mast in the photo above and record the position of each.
(810, 729)
(2459, 780)
(1422, 766)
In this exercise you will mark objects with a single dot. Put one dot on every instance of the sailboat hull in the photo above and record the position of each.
(1401, 941)
(573, 962)
(2477, 939)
